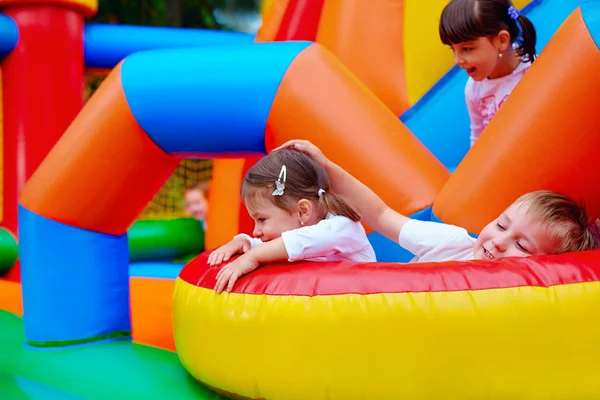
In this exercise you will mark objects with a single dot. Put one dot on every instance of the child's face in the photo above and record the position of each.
(478, 57)
(196, 204)
(270, 221)
(515, 233)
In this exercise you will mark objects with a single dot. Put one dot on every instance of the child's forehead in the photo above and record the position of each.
(194, 193)
(257, 200)
(521, 213)
(529, 223)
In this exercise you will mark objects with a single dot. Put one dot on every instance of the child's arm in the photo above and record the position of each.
(371, 207)
(239, 244)
(271, 251)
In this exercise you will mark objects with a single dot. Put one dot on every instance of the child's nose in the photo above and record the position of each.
(256, 232)
(499, 244)
(457, 59)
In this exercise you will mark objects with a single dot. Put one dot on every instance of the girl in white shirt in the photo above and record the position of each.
(495, 44)
(288, 195)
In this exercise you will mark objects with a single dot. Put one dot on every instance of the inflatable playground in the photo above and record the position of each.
(371, 85)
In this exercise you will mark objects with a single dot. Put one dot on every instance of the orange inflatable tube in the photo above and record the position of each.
(105, 130)
(320, 100)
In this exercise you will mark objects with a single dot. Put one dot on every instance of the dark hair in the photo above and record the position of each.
(466, 20)
(304, 178)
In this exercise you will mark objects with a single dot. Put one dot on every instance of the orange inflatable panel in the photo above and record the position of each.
(367, 36)
(10, 297)
(151, 312)
(224, 202)
(320, 100)
(272, 21)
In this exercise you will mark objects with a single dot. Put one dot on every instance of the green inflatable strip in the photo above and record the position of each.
(152, 240)
(61, 343)
(8, 251)
(116, 370)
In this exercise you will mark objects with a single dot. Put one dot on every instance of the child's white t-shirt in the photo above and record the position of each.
(433, 241)
(336, 238)
(484, 98)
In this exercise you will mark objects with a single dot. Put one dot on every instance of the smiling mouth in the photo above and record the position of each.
(471, 71)
(487, 254)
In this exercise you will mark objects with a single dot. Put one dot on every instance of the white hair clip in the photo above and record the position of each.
(321, 192)
(280, 182)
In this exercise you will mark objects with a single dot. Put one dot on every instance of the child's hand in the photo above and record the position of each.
(224, 253)
(306, 147)
(230, 273)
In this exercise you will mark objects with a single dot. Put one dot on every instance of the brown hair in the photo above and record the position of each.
(304, 179)
(567, 220)
(202, 186)
(466, 20)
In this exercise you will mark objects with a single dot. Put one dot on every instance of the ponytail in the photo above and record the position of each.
(528, 39)
(337, 206)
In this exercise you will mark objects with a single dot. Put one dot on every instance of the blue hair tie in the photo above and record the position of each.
(514, 15)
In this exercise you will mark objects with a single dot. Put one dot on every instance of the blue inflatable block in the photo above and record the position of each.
(435, 218)
(105, 45)
(75, 282)
(387, 250)
(209, 101)
(162, 270)
(9, 35)
(590, 10)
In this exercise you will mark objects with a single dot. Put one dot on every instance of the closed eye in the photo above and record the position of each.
(522, 248)
(500, 226)
(261, 219)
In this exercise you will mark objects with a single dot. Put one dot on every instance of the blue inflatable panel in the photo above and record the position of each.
(75, 282)
(164, 270)
(590, 9)
(440, 119)
(209, 101)
(435, 218)
(9, 34)
(387, 250)
(105, 45)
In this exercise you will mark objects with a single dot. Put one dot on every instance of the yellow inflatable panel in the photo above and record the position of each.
(511, 343)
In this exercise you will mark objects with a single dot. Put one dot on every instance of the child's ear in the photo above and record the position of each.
(305, 209)
(503, 40)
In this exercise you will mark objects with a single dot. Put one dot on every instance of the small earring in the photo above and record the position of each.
(500, 55)
(301, 222)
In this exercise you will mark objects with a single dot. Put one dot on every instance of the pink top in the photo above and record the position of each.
(485, 97)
